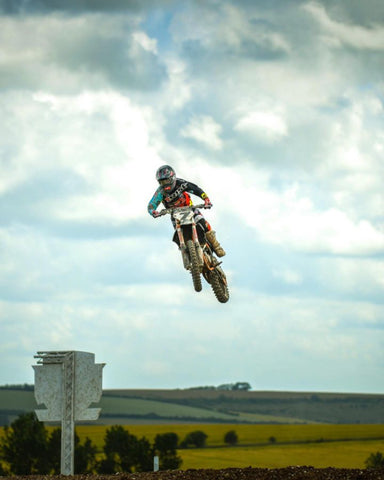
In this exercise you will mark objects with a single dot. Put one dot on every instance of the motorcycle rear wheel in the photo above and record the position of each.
(219, 285)
(195, 267)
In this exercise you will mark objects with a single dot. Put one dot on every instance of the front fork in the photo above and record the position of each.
(183, 247)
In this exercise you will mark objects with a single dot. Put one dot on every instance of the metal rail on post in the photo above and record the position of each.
(68, 420)
(67, 382)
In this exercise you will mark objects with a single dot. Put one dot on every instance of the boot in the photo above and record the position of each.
(217, 248)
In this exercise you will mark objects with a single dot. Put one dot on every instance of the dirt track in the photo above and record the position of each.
(289, 473)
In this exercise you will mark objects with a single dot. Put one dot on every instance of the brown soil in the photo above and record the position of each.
(288, 473)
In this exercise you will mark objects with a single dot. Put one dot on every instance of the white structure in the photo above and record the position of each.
(67, 383)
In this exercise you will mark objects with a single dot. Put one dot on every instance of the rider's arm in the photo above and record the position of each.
(155, 202)
(196, 190)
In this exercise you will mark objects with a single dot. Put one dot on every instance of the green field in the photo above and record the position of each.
(13, 400)
(222, 406)
(141, 407)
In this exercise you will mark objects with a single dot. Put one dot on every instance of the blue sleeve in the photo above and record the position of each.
(155, 201)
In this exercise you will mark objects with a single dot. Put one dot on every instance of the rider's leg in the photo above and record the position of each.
(218, 249)
(211, 237)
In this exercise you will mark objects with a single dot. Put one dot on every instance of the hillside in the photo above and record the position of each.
(270, 407)
(209, 405)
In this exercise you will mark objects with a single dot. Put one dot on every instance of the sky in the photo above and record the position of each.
(275, 109)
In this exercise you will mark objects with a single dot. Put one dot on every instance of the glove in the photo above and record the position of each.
(155, 214)
(207, 202)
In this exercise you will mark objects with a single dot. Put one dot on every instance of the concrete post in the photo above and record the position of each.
(67, 382)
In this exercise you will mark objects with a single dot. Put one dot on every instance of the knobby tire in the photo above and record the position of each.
(195, 267)
(219, 286)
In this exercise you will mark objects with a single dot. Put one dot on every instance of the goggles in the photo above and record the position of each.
(166, 181)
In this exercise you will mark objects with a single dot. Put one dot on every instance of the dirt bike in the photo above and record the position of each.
(197, 254)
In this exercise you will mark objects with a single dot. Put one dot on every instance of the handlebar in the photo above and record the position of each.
(172, 209)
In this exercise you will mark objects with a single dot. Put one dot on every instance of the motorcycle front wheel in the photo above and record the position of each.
(219, 285)
(195, 267)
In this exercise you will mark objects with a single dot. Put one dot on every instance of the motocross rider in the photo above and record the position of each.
(174, 192)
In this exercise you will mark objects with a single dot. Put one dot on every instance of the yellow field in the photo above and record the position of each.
(325, 445)
(345, 446)
(247, 434)
(341, 454)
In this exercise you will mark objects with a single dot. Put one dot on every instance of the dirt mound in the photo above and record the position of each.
(288, 473)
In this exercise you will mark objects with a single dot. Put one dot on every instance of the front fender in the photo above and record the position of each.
(187, 234)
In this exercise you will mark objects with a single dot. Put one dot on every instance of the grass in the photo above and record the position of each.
(17, 400)
(339, 455)
(111, 405)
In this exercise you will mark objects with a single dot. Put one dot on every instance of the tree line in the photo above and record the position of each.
(27, 447)
(244, 386)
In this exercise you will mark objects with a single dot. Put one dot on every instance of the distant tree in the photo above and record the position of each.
(54, 450)
(235, 386)
(24, 386)
(3, 472)
(144, 455)
(272, 439)
(226, 386)
(196, 439)
(28, 448)
(119, 448)
(165, 445)
(107, 465)
(84, 455)
(24, 446)
(166, 442)
(242, 386)
(374, 461)
(231, 437)
(124, 452)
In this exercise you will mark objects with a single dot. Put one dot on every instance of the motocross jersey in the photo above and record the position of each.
(179, 197)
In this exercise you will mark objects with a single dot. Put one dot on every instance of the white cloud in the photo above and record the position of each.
(359, 37)
(204, 129)
(225, 27)
(244, 101)
(291, 219)
(65, 54)
(178, 91)
(146, 42)
(264, 125)
(100, 137)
